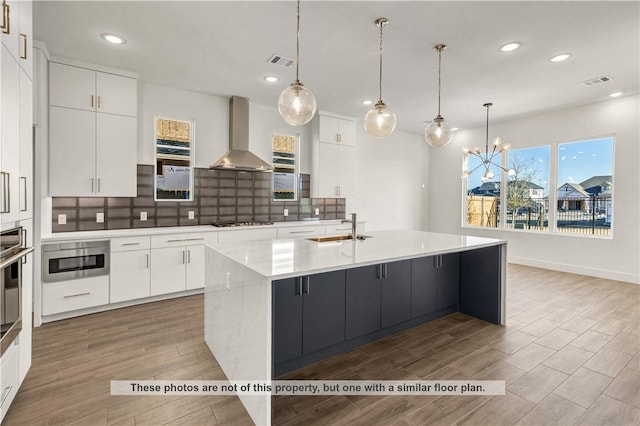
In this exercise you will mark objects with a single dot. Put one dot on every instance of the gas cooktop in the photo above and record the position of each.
(233, 223)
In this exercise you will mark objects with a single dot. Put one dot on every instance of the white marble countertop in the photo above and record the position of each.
(112, 233)
(284, 258)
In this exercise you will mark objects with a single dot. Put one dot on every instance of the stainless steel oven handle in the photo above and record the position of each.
(69, 296)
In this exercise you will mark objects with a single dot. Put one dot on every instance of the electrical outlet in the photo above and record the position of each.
(192, 215)
(62, 219)
(286, 212)
(143, 216)
(317, 212)
(99, 217)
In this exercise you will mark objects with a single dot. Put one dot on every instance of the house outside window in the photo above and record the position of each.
(583, 199)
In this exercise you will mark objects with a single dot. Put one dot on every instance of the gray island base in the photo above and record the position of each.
(273, 306)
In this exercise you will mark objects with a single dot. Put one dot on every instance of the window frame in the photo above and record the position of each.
(552, 228)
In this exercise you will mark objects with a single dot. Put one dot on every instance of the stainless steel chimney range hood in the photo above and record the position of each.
(239, 157)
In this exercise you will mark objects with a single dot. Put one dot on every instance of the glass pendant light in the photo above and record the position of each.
(380, 121)
(486, 160)
(296, 103)
(438, 133)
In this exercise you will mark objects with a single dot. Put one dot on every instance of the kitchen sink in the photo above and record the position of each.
(336, 238)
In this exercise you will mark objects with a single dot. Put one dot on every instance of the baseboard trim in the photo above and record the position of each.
(575, 269)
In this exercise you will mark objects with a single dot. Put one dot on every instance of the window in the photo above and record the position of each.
(585, 187)
(285, 176)
(174, 150)
(483, 194)
(528, 189)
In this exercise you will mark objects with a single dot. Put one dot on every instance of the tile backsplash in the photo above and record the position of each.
(218, 195)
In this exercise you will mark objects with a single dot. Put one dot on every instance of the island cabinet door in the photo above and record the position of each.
(287, 319)
(423, 285)
(363, 300)
(395, 301)
(323, 310)
(448, 282)
(480, 283)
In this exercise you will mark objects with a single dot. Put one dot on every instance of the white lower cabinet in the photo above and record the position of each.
(168, 270)
(130, 275)
(177, 263)
(9, 381)
(82, 293)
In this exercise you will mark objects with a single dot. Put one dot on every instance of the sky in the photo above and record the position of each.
(577, 162)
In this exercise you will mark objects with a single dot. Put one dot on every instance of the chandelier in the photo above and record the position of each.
(486, 158)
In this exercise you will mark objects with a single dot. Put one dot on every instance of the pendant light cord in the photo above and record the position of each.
(380, 79)
(486, 144)
(439, 75)
(298, 44)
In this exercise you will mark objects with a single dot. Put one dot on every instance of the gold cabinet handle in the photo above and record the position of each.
(24, 45)
(91, 101)
(77, 295)
(98, 102)
(6, 18)
(23, 180)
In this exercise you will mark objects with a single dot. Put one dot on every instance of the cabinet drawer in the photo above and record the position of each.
(130, 243)
(247, 235)
(8, 378)
(77, 294)
(176, 240)
(300, 231)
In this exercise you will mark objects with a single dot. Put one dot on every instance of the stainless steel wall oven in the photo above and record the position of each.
(12, 256)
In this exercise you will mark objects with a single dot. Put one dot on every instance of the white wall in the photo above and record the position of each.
(392, 180)
(616, 258)
(211, 116)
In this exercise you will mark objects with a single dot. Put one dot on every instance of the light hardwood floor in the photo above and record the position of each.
(570, 354)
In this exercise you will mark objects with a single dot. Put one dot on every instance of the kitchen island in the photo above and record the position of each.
(272, 306)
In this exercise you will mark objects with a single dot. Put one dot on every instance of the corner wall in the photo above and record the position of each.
(617, 258)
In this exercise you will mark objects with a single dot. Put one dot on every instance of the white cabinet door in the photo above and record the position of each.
(337, 130)
(117, 94)
(116, 154)
(25, 194)
(9, 138)
(325, 179)
(26, 38)
(168, 270)
(11, 31)
(72, 87)
(72, 152)
(346, 171)
(130, 275)
(195, 267)
(9, 380)
(27, 301)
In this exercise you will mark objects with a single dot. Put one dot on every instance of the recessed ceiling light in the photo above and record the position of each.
(510, 47)
(561, 57)
(113, 39)
(454, 129)
(271, 79)
(366, 102)
(615, 94)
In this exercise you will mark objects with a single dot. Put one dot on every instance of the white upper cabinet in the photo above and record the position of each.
(337, 130)
(333, 157)
(9, 138)
(17, 26)
(93, 132)
(25, 181)
(116, 94)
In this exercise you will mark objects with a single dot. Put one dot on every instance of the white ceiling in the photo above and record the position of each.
(222, 48)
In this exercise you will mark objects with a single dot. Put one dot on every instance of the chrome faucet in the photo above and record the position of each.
(353, 222)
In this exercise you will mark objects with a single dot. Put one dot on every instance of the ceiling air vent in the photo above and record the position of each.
(596, 80)
(281, 61)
